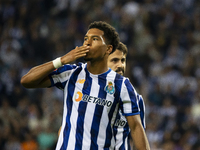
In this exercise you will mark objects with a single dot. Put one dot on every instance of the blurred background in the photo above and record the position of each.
(163, 64)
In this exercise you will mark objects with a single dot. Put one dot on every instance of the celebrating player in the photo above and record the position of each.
(92, 93)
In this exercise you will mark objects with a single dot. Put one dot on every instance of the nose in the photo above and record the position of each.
(88, 42)
(120, 64)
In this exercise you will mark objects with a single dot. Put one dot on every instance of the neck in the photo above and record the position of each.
(97, 67)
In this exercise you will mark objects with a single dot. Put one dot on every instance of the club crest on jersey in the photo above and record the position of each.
(110, 88)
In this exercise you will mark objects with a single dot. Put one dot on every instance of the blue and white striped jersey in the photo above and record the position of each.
(91, 103)
(121, 129)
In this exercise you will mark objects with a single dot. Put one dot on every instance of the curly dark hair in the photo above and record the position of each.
(110, 34)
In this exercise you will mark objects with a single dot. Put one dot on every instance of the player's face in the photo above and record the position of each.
(117, 62)
(95, 40)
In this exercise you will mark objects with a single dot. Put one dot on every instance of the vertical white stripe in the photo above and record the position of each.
(125, 99)
(60, 139)
(126, 143)
(104, 119)
(62, 77)
(127, 107)
(74, 115)
(103, 123)
(89, 114)
(119, 137)
(73, 120)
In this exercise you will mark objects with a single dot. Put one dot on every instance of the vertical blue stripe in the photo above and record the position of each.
(129, 139)
(126, 134)
(116, 127)
(69, 102)
(141, 105)
(132, 96)
(109, 131)
(81, 113)
(98, 112)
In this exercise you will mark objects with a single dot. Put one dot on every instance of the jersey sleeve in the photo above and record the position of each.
(60, 76)
(129, 99)
(142, 110)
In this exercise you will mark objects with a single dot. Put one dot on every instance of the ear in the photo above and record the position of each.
(109, 49)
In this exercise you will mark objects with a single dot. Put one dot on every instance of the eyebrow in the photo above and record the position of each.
(97, 36)
(92, 36)
(116, 58)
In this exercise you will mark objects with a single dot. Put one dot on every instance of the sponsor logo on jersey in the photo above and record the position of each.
(81, 81)
(120, 123)
(78, 96)
(110, 88)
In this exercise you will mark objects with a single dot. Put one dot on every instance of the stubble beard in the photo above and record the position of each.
(120, 71)
(87, 59)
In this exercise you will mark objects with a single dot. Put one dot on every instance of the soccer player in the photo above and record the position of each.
(117, 62)
(92, 93)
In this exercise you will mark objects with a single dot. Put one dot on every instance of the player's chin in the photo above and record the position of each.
(87, 58)
(120, 72)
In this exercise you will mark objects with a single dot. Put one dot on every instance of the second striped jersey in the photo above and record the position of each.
(121, 129)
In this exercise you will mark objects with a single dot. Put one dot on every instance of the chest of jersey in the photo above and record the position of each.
(94, 90)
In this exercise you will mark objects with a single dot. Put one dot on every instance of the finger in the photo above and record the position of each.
(82, 52)
(83, 47)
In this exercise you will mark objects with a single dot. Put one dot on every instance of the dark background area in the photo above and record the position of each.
(163, 64)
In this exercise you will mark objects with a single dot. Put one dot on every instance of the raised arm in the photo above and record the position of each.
(137, 133)
(37, 77)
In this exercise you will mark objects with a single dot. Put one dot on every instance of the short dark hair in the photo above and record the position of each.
(123, 48)
(110, 34)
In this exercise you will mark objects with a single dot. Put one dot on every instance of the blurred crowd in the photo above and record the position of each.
(163, 64)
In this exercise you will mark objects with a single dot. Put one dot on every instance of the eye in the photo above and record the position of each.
(115, 60)
(123, 60)
(85, 39)
(95, 39)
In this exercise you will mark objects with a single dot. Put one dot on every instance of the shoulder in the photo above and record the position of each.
(71, 66)
(67, 68)
(116, 76)
(120, 81)
(127, 86)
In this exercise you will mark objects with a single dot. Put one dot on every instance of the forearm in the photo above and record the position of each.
(140, 139)
(37, 76)
(137, 133)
